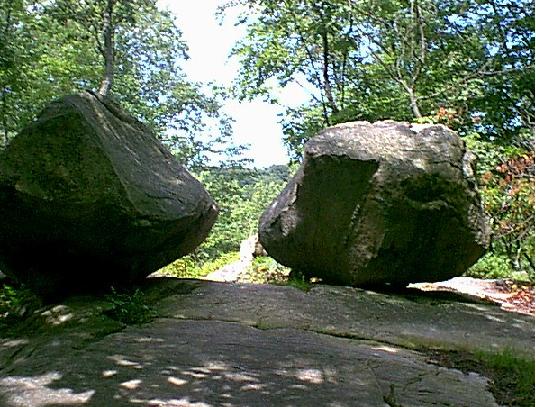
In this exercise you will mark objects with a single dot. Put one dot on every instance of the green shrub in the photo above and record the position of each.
(242, 195)
(495, 266)
(506, 179)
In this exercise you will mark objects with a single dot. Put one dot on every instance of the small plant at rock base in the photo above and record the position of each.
(299, 281)
(129, 308)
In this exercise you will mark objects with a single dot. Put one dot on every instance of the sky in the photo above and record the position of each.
(209, 43)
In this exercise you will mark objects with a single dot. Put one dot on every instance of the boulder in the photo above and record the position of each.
(379, 203)
(90, 198)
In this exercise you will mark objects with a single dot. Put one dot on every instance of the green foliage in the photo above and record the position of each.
(511, 375)
(187, 267)
(266, 270)
(129, 307)
(506, 178)
(392, 60)
(15, 302)
(494, 266)
(242, 195)
(47, 51)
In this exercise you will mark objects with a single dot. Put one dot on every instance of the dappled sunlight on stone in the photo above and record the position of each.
(58, 315)
(15, 342)
(480, 308)
(36, 391)
(109, 373)
(183, 402)
(197, 375)
(493, 318)
(148, 340)
(386, 348)
(176, 381)
(217, 365)
(240, 377)
(255, 387)
(131, 384)
(313, 376)
(122, 361)
(331, 350)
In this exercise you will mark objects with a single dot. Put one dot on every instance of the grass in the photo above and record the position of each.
(511, 376)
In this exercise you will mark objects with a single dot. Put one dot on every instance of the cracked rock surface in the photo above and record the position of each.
(214, 344)
(379, 203)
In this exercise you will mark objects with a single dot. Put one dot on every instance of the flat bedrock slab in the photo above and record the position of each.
(416, 321)
(212, 363)
(215, 344)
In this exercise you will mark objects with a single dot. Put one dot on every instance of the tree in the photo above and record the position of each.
(40, 59)
(397, 59)
(129, 50)
(101, 19)
(295, 41)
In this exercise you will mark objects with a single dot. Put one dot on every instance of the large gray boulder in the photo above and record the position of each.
(90, 197)
(379, 203)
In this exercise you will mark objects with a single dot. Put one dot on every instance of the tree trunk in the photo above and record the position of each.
(414, 105)
(4, 117)
(325, 72)
(108, 51)
(6, 30)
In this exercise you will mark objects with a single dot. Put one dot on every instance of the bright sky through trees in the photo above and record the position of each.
(256, 122)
